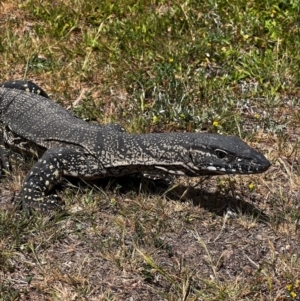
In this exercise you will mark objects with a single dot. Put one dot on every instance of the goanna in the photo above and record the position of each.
(69, 146)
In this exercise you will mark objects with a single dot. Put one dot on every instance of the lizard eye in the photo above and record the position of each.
(220, 153)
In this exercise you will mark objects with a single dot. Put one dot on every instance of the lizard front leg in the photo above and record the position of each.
(49, 170)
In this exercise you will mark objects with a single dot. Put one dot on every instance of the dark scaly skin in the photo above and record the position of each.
(73, 147)
(27, 86)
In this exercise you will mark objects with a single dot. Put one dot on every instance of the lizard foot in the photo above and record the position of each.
(43, 203)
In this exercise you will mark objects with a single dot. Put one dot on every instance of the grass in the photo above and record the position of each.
(230, 67)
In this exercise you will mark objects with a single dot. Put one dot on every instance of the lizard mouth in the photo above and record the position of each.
(251, 168)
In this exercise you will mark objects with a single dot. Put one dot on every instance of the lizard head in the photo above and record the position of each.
(214, 154)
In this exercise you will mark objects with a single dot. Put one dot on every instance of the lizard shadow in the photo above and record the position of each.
(217, 202)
